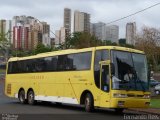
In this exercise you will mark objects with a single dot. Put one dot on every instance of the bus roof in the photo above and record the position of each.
(69, 51)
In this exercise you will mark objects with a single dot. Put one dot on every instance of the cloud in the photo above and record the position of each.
(106, 11)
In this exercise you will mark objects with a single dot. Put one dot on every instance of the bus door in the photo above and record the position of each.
(105, 83)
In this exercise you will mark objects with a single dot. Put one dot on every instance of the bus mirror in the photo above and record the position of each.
(112, 69)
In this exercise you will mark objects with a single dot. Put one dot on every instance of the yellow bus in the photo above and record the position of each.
(106, 76)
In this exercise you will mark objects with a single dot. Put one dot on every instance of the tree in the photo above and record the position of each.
(80, 40)
(41, 49)
(122, 41)
(4, 45)
(148, 40)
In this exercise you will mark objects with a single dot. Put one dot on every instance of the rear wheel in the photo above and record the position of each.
(21, 97)
(89, 105)
(31, 97)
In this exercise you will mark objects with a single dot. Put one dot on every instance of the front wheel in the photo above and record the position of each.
(89, 104)
(31, 97)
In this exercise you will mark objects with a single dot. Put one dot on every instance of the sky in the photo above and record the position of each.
(105, 11)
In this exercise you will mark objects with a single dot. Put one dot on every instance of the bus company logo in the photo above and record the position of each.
(9, 117)
(40, 77)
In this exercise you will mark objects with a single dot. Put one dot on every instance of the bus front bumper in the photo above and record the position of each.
(129, 103)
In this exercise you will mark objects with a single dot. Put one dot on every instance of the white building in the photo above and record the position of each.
(81, 22)
(112, 33)
(99, 30)
(8, 30)
(60, 36)
(130, 33)
(46, 39)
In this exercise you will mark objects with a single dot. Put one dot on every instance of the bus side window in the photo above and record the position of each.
(70, 60)
(61, 62)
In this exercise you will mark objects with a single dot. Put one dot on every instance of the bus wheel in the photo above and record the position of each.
(89, 105)
(21, 97)
(119, 110)
(30, 98)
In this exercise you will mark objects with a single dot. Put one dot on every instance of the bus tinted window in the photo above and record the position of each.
(70, 59)
(51, 63)
(82, 61)
(78, 61)
(62, 61)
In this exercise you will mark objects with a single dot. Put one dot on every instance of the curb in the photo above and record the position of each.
(145, 111)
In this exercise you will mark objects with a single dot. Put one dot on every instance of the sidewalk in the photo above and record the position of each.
(147, 110)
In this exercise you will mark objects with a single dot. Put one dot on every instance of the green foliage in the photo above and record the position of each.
(108, 42)
(3, 37)
(122, 41)
(41, 49)
(155, 103)
(126, 45)
(83, 40)
(20, 53)
(80, 40)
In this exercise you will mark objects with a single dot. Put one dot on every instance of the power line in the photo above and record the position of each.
(133, 13)
(116, 19)
(50, 30)
(128, 15)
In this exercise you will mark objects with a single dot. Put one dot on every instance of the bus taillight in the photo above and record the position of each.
(8, 88)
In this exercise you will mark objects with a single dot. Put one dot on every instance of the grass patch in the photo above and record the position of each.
(155, 103)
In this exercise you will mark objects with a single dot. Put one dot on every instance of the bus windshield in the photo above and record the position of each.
(131, 71)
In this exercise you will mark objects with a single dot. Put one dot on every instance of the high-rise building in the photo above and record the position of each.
(52, 42)
(112, 33)
(81, 22)
(63, 34)
(130, 33)
(45, 33)
(2, 26)
(60, 36)
(99, 30)
(57, 37)
(8, 30)
(21, 37)
(28, 32)
(36, 37)
(67, 20)
(5, 29)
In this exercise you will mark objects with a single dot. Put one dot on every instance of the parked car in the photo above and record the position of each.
(157, 89)
(153, 82)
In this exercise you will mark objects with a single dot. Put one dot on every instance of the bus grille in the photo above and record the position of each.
(9, 89)
(133, 95)
(130, 95)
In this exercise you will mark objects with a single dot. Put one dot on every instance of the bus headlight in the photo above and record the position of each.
(146, 96)
(118, 95)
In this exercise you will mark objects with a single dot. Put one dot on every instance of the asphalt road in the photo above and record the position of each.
(44, 111)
